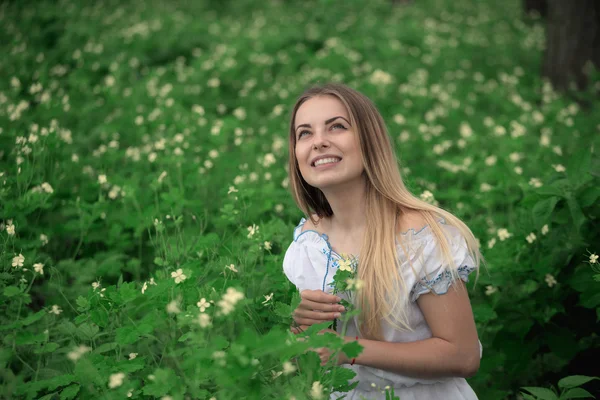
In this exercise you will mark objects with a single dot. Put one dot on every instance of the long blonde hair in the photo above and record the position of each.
(386, 198)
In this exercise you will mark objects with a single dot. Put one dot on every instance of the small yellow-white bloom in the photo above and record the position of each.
(173, 307)
(55, 310)
(132, 355)
(116, 380)
(288, 368)
(489, 290)
(203, 304)
(593, 258)
(545, 229)
(316, 392)
(503, 234)
(550, 280)
(203, 320)
(178, 276)
(18, 261)
(10, 229)
(39, 268)
(531, 237)
(76, 353)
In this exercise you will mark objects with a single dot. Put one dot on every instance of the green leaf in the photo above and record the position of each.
(576, 213)
(11, 291)
(47, 348)
(159, 261)
(24, 338)
(543, 209)
(128, 292)
(103, 348)
(484, 312)
(87, 331)
(83, 304)
(99, 316)
(33, 318)
(87, 373)
(352, 349)
(527, 396)
(577, 393)
(69, 392)
(574, 381)
(126, 335)
(541, 393)
(588, 196)
(163, 382)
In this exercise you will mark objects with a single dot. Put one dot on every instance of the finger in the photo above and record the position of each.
(319, 296)
(310, 322)
(308, 304)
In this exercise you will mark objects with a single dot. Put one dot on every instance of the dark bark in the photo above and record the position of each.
(539, 6)
(572, 40)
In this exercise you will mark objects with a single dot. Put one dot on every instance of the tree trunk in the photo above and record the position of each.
(539, 6)
(572, 40)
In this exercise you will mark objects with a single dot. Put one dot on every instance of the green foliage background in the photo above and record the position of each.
(125, 125)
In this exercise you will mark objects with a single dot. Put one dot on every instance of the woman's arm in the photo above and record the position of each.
(452, 351)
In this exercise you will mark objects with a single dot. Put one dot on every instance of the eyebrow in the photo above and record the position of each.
(326, 122)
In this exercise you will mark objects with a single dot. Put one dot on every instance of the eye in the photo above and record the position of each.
(338, 124)
(302, 132)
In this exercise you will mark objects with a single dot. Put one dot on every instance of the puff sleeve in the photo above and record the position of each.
(435, 276)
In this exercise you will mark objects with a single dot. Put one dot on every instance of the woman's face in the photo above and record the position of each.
(323, 131)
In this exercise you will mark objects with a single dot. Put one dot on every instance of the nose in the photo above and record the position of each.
(320, 140)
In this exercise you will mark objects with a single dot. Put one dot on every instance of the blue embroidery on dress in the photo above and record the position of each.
(463, 273)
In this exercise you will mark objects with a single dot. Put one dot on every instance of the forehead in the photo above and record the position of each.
(318, 109)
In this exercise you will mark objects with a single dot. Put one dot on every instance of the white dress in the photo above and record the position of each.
(310, 263)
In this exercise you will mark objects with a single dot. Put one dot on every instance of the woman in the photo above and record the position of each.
(416, 325)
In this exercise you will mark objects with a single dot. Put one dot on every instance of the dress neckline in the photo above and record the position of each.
(421, 233)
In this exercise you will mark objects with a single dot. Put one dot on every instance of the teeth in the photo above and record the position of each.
(326, 161)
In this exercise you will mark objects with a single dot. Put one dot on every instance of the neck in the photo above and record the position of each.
(348, 204)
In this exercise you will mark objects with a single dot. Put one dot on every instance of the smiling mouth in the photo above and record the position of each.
(326, 161)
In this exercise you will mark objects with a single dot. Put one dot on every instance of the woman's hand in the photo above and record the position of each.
(325, 354)
(315, 307)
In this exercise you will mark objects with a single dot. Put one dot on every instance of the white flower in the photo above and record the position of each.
(559, 168)
(130, 393)
(491, 160)
(267, 245)
(489, 290)
(288, 368)
(535, 182)
(345, 265)
(95, 285)
(399, 119)
(544, 229)
(593, 258)
(485, 187)
(232, 189)
(39, 268)
(503, 234)
(252, 230)
(10, 229)
(231, 267)
(203, 320)
(550, 280)
(178, 275)
(355, 284)
(102, 179)
(162, 176)
(531, 238)
(465, 130)
(173, 307)
(47, 188)
(152, 282)
(76, 353)
(18, 261)
(144, 287)
(316, 391)
(116, 380)
(491, 243)
(44, 239)
(229, 300)
(132, 355)
(55, 310)
(203, 304)
(267, 298)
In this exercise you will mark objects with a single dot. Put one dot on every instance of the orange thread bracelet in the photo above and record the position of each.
(354, 359)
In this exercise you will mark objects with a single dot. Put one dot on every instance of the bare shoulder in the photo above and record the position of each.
(410, 220)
